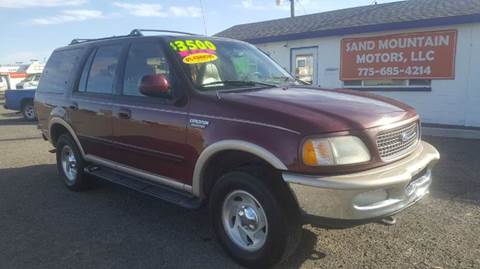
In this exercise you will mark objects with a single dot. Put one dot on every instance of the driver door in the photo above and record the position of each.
(149, 132)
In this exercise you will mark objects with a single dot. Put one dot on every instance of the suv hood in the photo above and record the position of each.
(311, 110)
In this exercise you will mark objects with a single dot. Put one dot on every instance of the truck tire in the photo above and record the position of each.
(28, 111)
(70, 164)
(258, 224)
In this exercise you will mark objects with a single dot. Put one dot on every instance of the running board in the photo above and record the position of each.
(156, 190)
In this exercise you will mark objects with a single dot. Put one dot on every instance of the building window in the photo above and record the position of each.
(388, 83)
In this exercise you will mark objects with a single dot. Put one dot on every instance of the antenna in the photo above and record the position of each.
(204, 16)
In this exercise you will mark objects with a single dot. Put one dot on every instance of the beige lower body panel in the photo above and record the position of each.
(369, 194)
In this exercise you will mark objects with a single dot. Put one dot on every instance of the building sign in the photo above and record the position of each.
(423, 55)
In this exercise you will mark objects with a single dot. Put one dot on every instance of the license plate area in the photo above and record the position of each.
(415, 181)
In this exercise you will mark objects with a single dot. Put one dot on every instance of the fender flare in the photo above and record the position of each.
(56, 120)
(239, 145)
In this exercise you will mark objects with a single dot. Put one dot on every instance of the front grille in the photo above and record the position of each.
(397, 142)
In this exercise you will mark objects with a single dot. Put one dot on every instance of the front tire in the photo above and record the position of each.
(70, 164)
(258, 224)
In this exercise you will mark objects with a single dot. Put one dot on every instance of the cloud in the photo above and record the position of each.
(39, 3)
(143, 10)
(156, 10)
(247, 3)
(250, 4)
(70, 16)
(301, 6)
(185, 11)
(11, 57)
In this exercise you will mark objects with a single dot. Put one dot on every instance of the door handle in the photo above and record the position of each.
(124, 114)
(73, 106)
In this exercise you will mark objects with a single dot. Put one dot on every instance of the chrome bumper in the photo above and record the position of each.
(369, 194)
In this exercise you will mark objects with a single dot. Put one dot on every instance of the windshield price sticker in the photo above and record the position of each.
(421, 55)
(195, 51)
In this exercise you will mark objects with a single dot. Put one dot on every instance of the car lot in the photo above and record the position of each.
(43, 225)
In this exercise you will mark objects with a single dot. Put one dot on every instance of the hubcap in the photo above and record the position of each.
(69, 163)
(244, 220)
(29, 112)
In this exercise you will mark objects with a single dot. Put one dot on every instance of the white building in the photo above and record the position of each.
(423, 52)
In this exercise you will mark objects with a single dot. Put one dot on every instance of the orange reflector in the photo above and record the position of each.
(309, 155)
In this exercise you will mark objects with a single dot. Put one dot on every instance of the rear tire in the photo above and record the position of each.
(70, 164)
(238, 202)
(28, 111)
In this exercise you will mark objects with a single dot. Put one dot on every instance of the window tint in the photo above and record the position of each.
(102, 71)
(143, 59)
(82, 86)
(58, 70)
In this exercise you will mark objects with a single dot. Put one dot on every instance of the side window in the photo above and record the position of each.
(102, 70)
(59, 69)
(144, 59)
(82, 86)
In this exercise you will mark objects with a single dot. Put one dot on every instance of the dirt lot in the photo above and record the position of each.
(43, 225)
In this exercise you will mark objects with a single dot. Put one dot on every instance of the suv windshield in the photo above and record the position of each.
(214, 64)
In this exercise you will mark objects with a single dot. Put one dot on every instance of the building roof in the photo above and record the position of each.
(373, 18)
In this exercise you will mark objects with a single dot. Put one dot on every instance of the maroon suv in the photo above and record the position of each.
(198, 120)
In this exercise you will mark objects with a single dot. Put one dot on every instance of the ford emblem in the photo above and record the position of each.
(406, 136)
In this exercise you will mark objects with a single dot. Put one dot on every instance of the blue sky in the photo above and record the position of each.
(31, 29)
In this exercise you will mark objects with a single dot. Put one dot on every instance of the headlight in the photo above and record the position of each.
(334, 151)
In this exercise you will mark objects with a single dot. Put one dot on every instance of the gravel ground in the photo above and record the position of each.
(43, 225)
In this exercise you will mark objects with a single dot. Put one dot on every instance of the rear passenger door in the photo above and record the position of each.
(149, 132)
(91, 107)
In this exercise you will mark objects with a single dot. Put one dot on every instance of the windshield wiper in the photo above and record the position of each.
(238, 83)
(290, 79)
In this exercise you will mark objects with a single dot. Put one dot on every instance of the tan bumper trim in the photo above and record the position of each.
(390, 174)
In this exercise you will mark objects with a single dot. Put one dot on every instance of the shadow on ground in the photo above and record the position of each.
(13, 118)
(46, 226)
(457, 175)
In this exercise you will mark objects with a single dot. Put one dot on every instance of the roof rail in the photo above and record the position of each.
(83, 40)
(138, 32)
(134, 32)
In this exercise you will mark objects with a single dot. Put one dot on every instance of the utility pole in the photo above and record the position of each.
(292, 6)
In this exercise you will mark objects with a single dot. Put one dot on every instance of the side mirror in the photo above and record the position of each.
(155, 85)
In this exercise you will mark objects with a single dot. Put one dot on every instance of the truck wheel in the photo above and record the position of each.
(70, 164)
(28, 111)
(257, 224)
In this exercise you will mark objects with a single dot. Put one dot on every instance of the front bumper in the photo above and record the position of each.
(369, 194)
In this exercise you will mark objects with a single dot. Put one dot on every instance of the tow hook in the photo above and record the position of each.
(389, 221)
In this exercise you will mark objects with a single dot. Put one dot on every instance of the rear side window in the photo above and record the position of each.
(59, 70)
(144, 59)
(98, 75)
(82, 87)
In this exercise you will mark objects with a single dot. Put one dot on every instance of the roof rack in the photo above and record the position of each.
(134, 32)
(138, 32)
(83, 40)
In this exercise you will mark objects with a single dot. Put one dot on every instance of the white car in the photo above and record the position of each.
(30, 82)
(3, 84)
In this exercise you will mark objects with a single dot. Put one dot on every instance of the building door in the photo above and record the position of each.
(304, 64)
